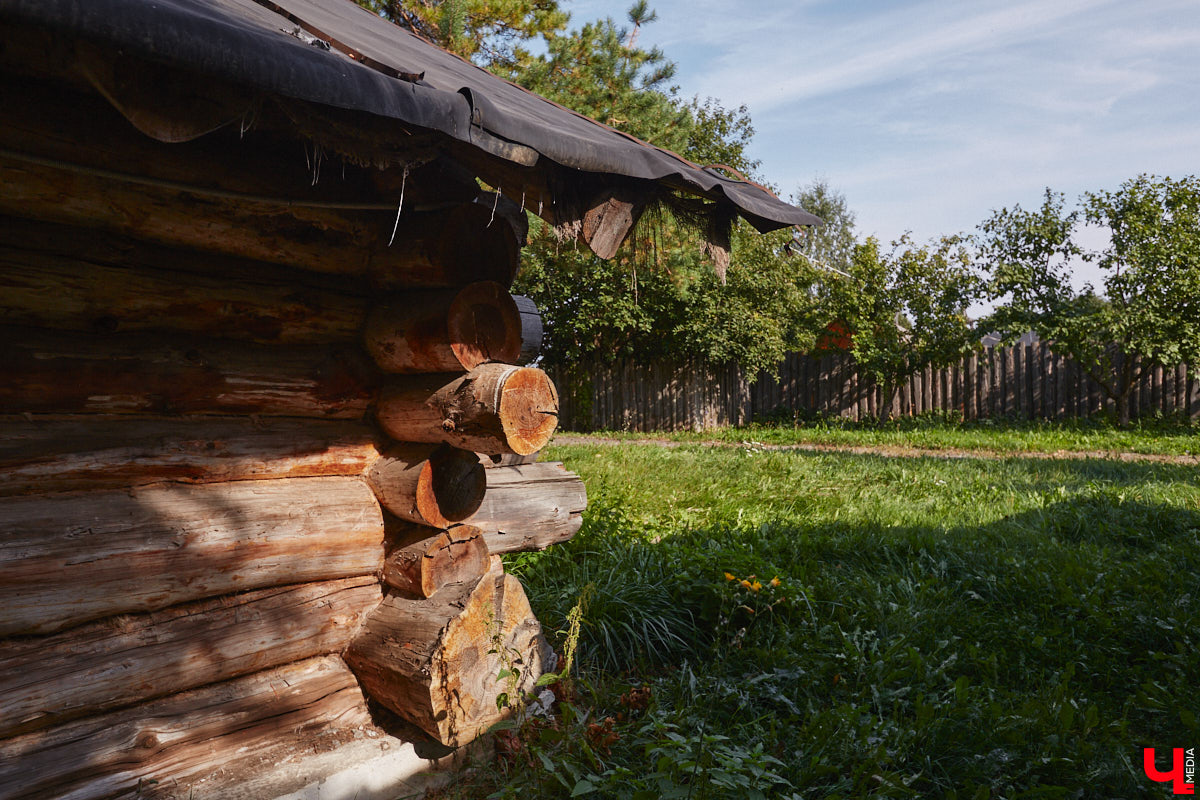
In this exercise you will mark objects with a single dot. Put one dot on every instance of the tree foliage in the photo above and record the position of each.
(906, 309)
(492, 33)
(1149, 309)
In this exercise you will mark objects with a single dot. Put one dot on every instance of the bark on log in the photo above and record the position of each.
(63, 372)
(530, 507)
(74, 292)
(113, 663)
(67, 559)
(39, 455)
(531, 329)
(446, 331)
(493, 409)
(428, 484)
(429, 660)
(437, 249)
(154, 750)
(456, 555)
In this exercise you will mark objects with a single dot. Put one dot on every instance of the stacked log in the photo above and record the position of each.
(436, 661)
(225, 476)
(448, 628)
(458, 554)
(530, 507)
(493, 409)
(152, 547)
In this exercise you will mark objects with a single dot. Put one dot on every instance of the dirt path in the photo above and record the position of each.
(894, 451)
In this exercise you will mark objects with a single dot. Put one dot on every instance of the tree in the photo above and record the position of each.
(906, 309)
(830, 246)
(1149, 311)
(492, 33)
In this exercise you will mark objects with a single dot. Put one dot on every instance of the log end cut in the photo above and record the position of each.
(437, 662)
(428, 484)
(484, 324)
(528, 410)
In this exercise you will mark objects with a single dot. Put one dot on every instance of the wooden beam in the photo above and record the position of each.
(67, 372)
(610, 217)
(67, 559)
(105, 665)
(530, 507)
(493, 409)
(456, 555)
(167, 747)
(445, 331)
(434, 249)
(428, 484)
(435, 661)
(79, 293)
(58, 454)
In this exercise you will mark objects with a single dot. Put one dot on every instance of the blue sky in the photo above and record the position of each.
(927, 115)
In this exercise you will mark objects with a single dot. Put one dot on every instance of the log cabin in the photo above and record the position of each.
(267, 415)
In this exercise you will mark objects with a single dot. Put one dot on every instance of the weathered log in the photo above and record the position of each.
(74, 292)
(39, 454)
(495, 408)
(530, 507)
(67, 559)
(435, 661)
(428, 484)
(154, 750)
(433, 249)
(64, 372)
(508, 459)
(76, 244)
(610, 218)
(531, 329)
(456, 555)
(126, 660)
(444, 331)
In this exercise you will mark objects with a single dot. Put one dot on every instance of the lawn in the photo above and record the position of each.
(819, 625)
(1152, 437)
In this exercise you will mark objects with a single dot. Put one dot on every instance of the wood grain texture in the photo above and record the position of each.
(126, 660)
(530, 507)
(67, 559)
(444, 331)
(66, 372)
(433, 485)
(456, 555)
(55, 454)
(157, 749)
(428, 660)
(493, 409)
(79, 292)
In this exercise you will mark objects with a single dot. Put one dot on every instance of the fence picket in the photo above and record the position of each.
(1025, 381)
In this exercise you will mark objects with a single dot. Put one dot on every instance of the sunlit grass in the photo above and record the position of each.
(940, 628)
(1153, 437)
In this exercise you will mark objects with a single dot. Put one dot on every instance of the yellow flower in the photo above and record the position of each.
(729, 576)
(746, 583)
(754, 587)
(775, 581)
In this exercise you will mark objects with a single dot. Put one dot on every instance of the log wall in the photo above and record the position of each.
(200, 476)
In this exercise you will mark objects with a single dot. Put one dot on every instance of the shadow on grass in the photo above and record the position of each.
(1038, 652)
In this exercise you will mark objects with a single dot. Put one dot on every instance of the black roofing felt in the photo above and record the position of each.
(247, 42)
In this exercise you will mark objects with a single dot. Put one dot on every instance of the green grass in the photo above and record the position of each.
(961, 629)
(1154, 437)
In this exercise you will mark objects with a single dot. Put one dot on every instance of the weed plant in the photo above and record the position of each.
(792, 624)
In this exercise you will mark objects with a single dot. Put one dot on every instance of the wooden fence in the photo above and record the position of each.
(1022, 382)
